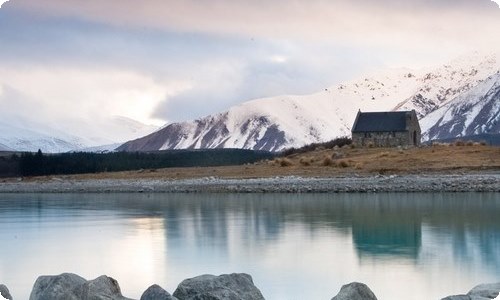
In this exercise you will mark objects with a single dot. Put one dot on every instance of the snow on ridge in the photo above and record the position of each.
(469, 113)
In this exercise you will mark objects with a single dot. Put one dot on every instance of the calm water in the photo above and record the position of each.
(404, 246)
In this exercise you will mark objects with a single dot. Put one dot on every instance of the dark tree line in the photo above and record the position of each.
(35, 164)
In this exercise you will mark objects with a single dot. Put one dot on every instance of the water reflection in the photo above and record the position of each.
(295, 246)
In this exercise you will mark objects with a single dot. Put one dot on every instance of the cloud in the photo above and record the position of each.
(65, 93)
(176, 60)
(497, 2)
(361, 21)
(2, 2)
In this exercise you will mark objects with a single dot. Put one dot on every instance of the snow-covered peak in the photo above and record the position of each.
(476, 111)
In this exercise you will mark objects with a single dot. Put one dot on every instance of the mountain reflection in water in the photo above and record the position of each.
(294, 245)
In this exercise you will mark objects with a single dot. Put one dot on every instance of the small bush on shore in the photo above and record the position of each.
(305, 161)
(328, 161)
(342, 164)
(285, 162)
(383, 154)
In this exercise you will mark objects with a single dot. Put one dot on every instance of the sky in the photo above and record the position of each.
(160, 61)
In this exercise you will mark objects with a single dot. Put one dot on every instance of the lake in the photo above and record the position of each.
(295, 246)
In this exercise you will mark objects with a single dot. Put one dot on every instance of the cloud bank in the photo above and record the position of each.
(161, 60)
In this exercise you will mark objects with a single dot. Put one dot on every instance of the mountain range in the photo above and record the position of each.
(460, 98)
(19, 134)
(453, 100)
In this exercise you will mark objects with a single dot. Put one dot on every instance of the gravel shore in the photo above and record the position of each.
(289, 184)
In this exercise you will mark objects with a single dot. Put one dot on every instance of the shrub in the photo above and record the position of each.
(470, 143)
(328, 161)
(459, 143)
(383, 154)
(370, 145)
(483, 143)
(358, 166)
(342, 164)
(305, 161)
(285, 162)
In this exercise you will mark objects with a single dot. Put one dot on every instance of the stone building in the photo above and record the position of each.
(386, 129)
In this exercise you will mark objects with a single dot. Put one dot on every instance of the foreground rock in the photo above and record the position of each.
(480, 292)
(73, 287)
(227, 287)
(355, 291)
(4, 291)
(155, 292)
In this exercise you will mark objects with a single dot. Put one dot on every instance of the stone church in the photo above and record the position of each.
(386, 129)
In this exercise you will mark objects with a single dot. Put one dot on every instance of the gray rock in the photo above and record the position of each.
(355, 291)
(487, 291)
(4, 291)
(457, 297)
(73, 287)
(101, 288)
(155, 292)
(480, 292)
(55, 287)
(210, 287)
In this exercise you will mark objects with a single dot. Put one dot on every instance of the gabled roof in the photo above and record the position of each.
(381, 121)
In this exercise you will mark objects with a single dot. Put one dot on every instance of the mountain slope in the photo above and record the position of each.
(24, 135)
(438, 87)
(291, 121)
(474, 112)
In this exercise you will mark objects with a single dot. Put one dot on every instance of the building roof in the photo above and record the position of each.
(381, 121)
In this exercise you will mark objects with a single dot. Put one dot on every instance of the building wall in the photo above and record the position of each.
(413, 127)
(382, 139)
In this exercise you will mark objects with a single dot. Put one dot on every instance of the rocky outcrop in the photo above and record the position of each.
(55, 287)
(227, 287)
(155, 292)
(355, 291)
(73, 287)
(101, 288)
(4, 291)
(480, 292)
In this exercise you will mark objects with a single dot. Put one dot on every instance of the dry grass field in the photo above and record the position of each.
(346, 161)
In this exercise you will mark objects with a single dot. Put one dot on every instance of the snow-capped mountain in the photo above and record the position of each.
(474, 112)
(24, 135)
(438, 87)
(290, 121)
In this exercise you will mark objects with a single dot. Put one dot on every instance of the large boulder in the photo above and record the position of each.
(210, 287)
(480, 292)
(155, 292)
(73, 287)
(55, 287)
(487, 291)
(101, 288)
(4, 292)
(355, 291)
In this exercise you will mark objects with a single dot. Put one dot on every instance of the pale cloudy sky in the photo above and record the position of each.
(159, 61)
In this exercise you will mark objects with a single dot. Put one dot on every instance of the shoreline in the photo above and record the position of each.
(481, 182)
